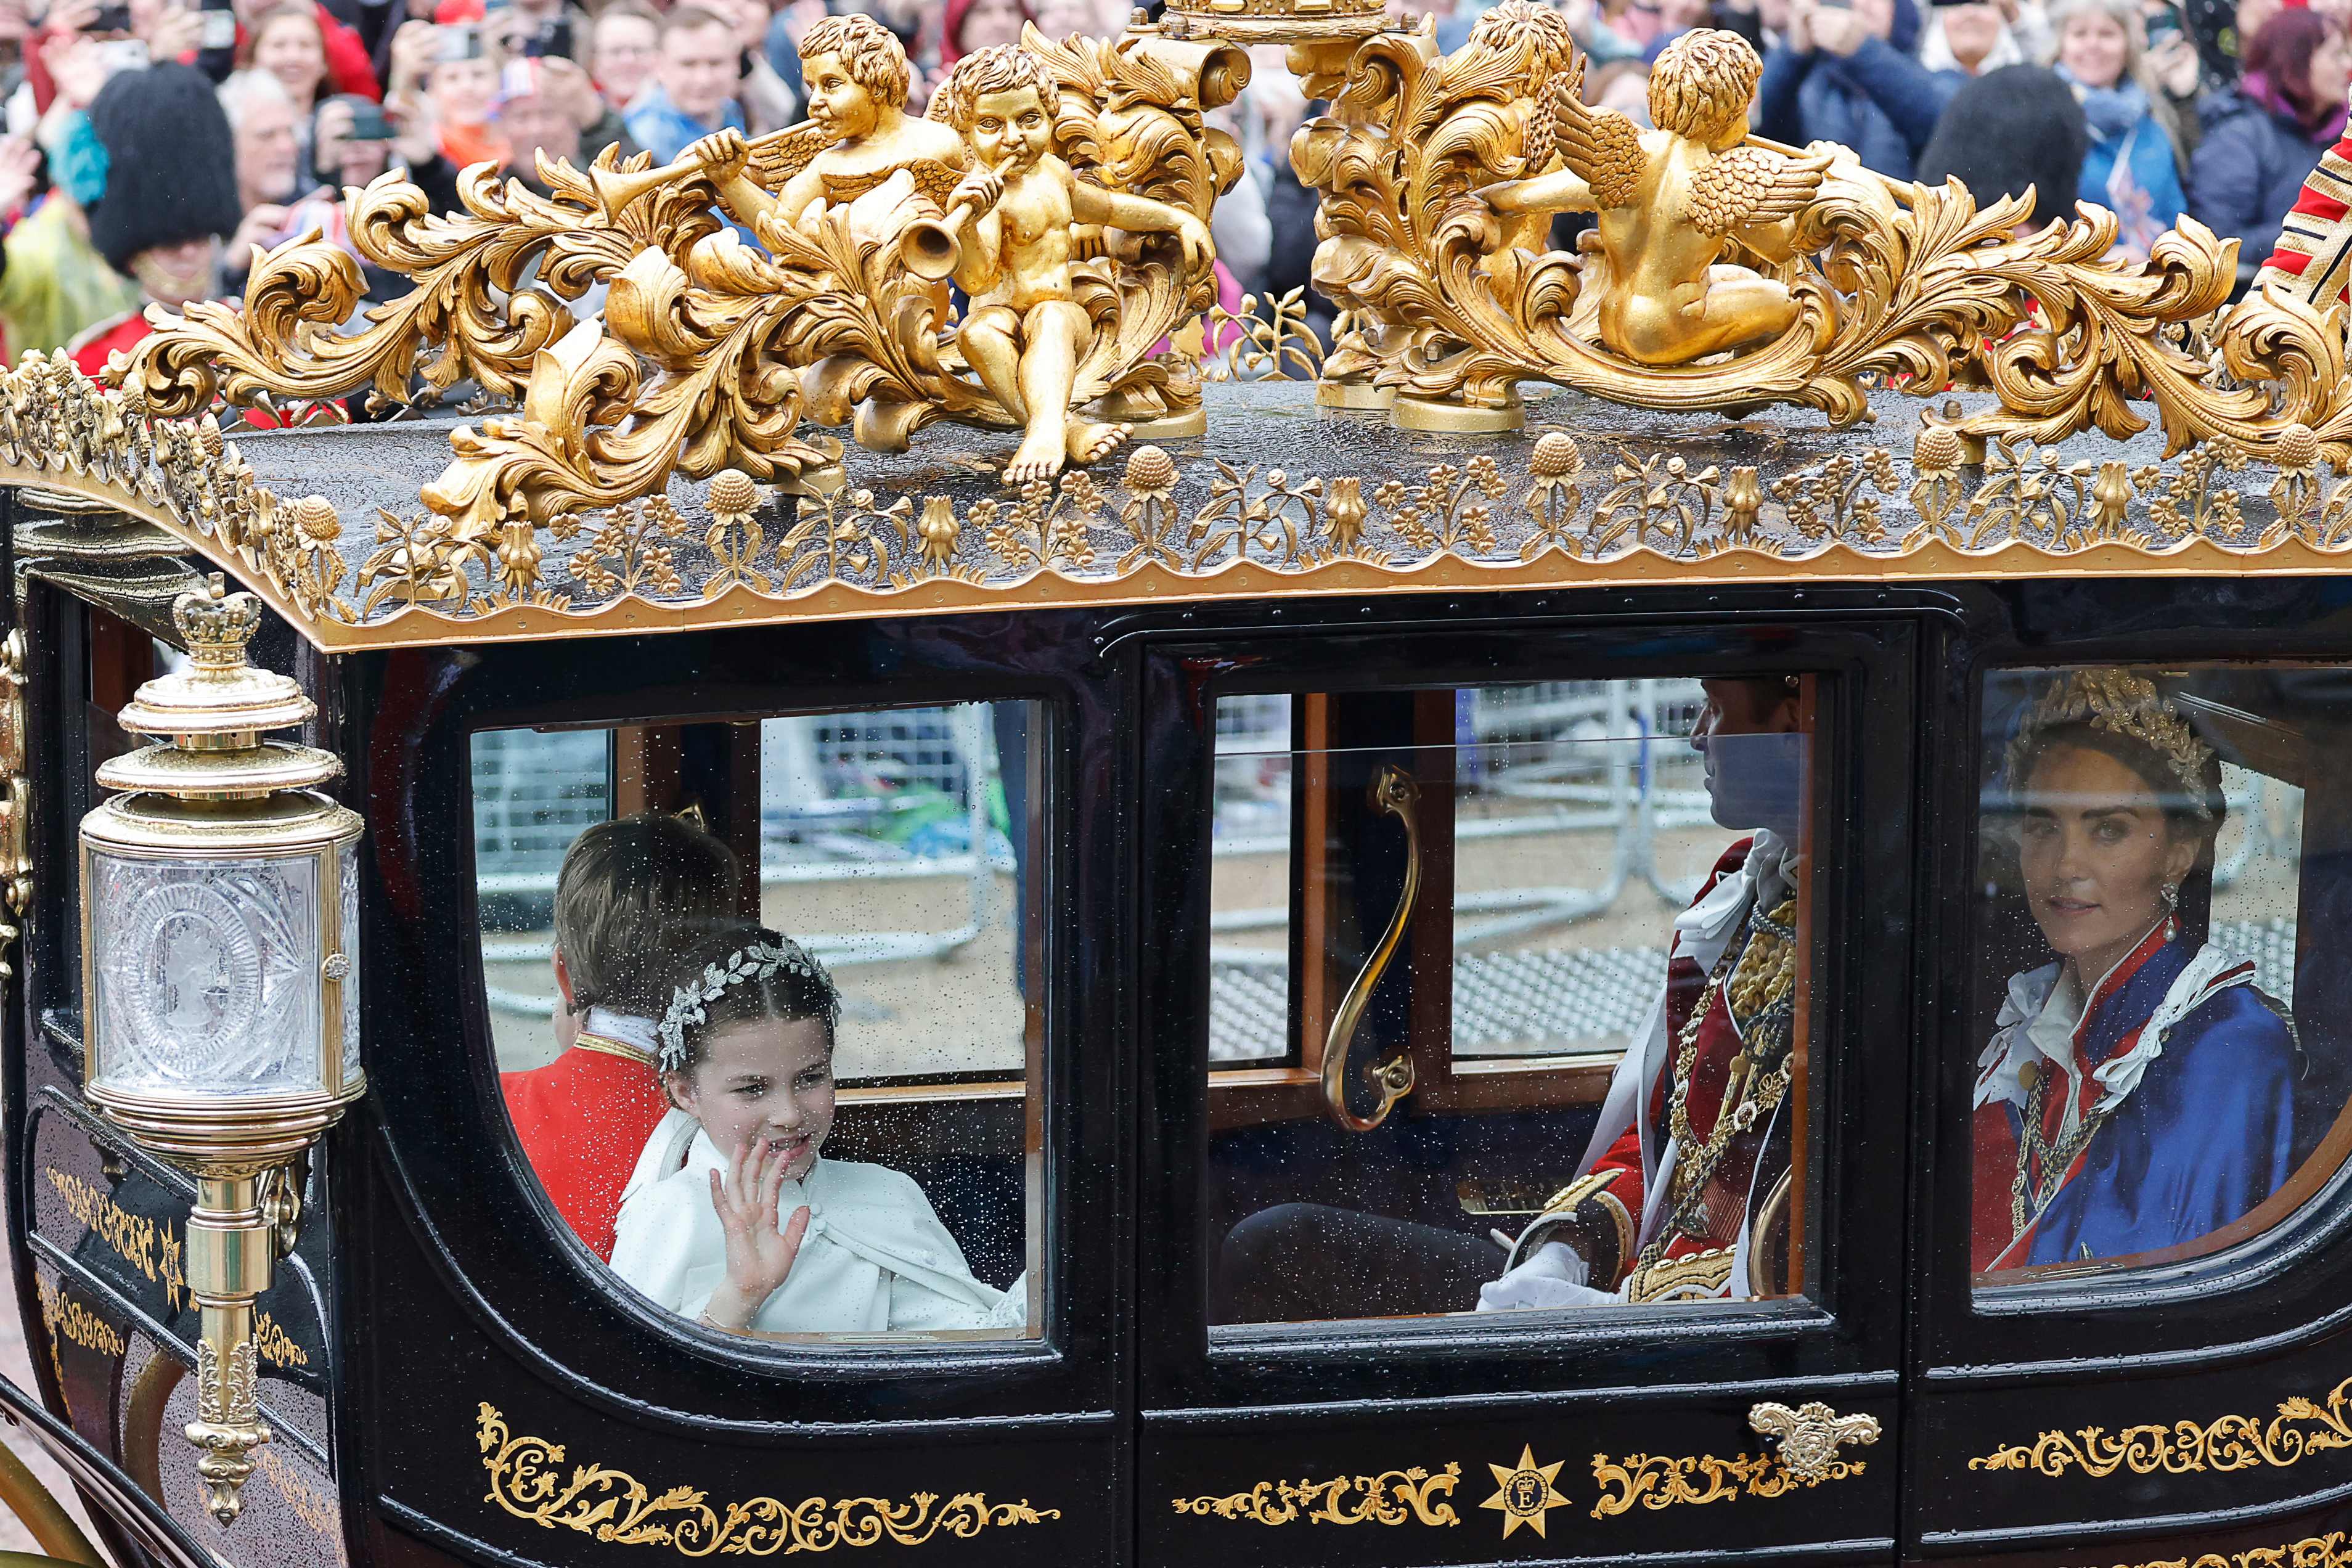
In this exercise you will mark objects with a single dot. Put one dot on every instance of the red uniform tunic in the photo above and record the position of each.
(2315, 242)
(91, 349)
(1724, 1208)
(583, 1119)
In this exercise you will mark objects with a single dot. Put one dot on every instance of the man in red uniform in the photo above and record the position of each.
(171, 195)
(1691, 1142)
(630, 897)
(1688, 1166)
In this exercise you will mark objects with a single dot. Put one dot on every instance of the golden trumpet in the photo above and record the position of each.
(616, 189)
(931, 247)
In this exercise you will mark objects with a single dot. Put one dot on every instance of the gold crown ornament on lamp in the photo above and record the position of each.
(220, 910)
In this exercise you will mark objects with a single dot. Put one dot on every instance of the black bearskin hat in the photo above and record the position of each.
(171, 162)
(2009, 129)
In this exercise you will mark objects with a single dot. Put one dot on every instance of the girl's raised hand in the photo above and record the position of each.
(759, 1253)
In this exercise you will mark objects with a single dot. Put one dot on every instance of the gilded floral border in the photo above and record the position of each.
(2333, 1549)
(2238, 1442)
(528, 1479)
(2010, 509)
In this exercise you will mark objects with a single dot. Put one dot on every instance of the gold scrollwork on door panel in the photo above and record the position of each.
(142, 1243)
(527, 1481)
(2300, 1429)
(1659, 1481)
(320, 1515)
(16, 798)
(61, 1314)
(2333, 1549)
(1393, 1496)
(277, 1347)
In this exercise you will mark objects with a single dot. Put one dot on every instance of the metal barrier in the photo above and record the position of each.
(844, 797)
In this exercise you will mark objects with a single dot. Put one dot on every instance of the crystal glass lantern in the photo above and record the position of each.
(220, 981)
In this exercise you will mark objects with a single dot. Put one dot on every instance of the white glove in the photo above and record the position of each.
(1553, 1278)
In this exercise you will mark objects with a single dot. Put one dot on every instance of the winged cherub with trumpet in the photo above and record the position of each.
(858, 148)
(1672, 201)
(1007, 239)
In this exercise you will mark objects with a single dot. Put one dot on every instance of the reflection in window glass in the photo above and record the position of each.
(1249, 884)
(1627, 923)
(1583, 826)
(799, 955)
(2162, 1070)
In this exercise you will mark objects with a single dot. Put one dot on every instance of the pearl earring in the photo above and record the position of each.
(2171, 891)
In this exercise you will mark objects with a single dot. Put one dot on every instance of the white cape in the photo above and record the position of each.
(875, 1258)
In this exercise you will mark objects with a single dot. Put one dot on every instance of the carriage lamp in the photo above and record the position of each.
(219, 928)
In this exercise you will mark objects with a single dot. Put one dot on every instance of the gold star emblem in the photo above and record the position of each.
(1524, 1494)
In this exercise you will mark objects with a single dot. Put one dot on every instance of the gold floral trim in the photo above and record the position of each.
(277, 1347)
(61, 1314)
(527, 1481)
(323, 1516)
(2299, 1430)
(145, 1245)
(1468, 525)
(2333, 1549)
(1656, 1481)
(1393, 1496)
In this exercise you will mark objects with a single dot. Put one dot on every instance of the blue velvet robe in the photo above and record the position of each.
(2201, 1140)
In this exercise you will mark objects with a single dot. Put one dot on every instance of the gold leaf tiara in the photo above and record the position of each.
(2120, 703)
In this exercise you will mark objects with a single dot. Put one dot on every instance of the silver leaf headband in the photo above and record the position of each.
(756, 962)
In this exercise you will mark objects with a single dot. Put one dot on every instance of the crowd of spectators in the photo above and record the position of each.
(149, 146)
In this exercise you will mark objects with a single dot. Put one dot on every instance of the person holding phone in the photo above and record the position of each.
(1845, 72)
(1971, 37)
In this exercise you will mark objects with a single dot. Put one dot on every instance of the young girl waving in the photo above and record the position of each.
(734, 1216)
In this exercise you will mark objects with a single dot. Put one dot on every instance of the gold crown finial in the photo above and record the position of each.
(216, 623)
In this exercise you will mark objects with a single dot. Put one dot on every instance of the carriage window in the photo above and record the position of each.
(2164, 1068)
(1507, 998)
(798, 958)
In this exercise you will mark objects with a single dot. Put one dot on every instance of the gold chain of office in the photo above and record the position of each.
(2028, 1195)
(1756, 978)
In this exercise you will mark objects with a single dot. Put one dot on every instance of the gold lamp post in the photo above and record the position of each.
(219, 923)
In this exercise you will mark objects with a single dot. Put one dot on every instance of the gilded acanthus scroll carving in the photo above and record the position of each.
(1065, 186)
(1727, 272)
(755, 287)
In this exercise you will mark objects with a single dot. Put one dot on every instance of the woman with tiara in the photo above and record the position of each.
(2137, 1092)
(733, 1217)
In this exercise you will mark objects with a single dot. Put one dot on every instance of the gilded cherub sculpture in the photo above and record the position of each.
(1463, 121)
(1010, 221)
(859, 147)
(1672, 201)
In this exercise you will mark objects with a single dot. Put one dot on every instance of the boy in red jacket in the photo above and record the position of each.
(631, 895)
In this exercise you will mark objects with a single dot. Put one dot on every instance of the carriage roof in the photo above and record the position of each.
(1279, 499)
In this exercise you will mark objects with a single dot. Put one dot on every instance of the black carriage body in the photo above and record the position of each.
(460, 1380)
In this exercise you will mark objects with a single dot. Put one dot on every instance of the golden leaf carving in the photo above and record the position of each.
(1656, 1481)
(528, 1481)
(1392, 1498)
(2236, 1442)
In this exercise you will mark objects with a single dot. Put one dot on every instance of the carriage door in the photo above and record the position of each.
(2132, 1334)
(1407, 901)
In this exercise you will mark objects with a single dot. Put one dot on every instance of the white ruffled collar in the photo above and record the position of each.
(627, 1028)
(2042, 1014)
(1763, 879)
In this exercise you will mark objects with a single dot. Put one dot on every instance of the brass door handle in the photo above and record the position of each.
(1393, 792)
(1810, 1436)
